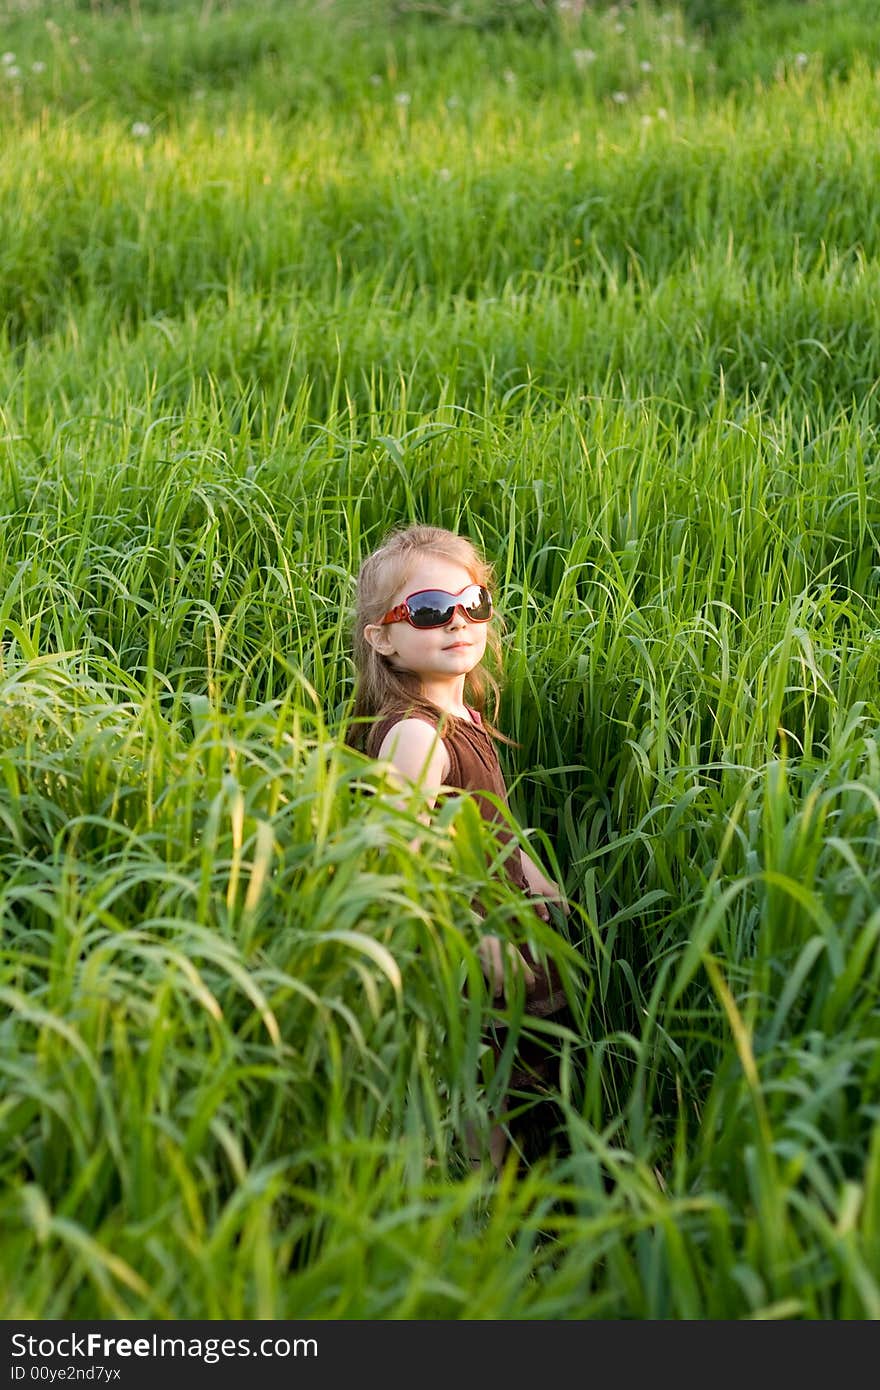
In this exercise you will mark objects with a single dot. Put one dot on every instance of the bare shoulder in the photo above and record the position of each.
(416, 749)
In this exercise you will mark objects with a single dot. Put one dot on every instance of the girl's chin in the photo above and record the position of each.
(452, 663)
(451, 671)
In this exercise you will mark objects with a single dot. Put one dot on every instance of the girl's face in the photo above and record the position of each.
(436, 652)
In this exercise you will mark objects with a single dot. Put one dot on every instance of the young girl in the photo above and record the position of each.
(422, 627)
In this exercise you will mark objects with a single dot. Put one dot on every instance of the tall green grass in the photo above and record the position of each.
(270, 282)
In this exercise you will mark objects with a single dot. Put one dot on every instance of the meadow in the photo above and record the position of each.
(597, 285)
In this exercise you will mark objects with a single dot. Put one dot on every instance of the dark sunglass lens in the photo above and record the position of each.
(430, 610)
(478, 604)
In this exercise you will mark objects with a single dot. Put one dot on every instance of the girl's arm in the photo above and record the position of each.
(540, 884)
(416, 751)
(418, 754)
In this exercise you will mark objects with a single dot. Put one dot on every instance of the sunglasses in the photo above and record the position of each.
(435, 607)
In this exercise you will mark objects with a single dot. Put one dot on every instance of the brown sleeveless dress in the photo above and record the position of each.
(474, 767)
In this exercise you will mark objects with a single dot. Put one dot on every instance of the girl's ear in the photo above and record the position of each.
(379, 638)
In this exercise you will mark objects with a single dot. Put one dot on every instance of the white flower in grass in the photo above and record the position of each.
(509, 75)
(7, 59)
(619, 97)
(646, 66)
(444, 174)
(39, 66)
(662, 113)
(402, 98)
(583, 57)
(801, 59)
(140, 130)
(376, 79)
(452, 103)
(647, 120)
(12, 71)
(619, 28)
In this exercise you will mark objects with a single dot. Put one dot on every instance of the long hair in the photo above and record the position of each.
(380, 689)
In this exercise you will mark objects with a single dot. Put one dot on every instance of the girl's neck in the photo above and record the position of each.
(447, 695)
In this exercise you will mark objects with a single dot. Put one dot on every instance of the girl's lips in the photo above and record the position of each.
(456, 646)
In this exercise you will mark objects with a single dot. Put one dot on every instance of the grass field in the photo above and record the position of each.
(597, 285)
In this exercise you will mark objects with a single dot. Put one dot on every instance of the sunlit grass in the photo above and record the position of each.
(288, 284)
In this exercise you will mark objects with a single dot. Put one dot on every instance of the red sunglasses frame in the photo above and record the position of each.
(401, 613)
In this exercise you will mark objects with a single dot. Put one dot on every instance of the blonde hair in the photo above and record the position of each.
(382, 690)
